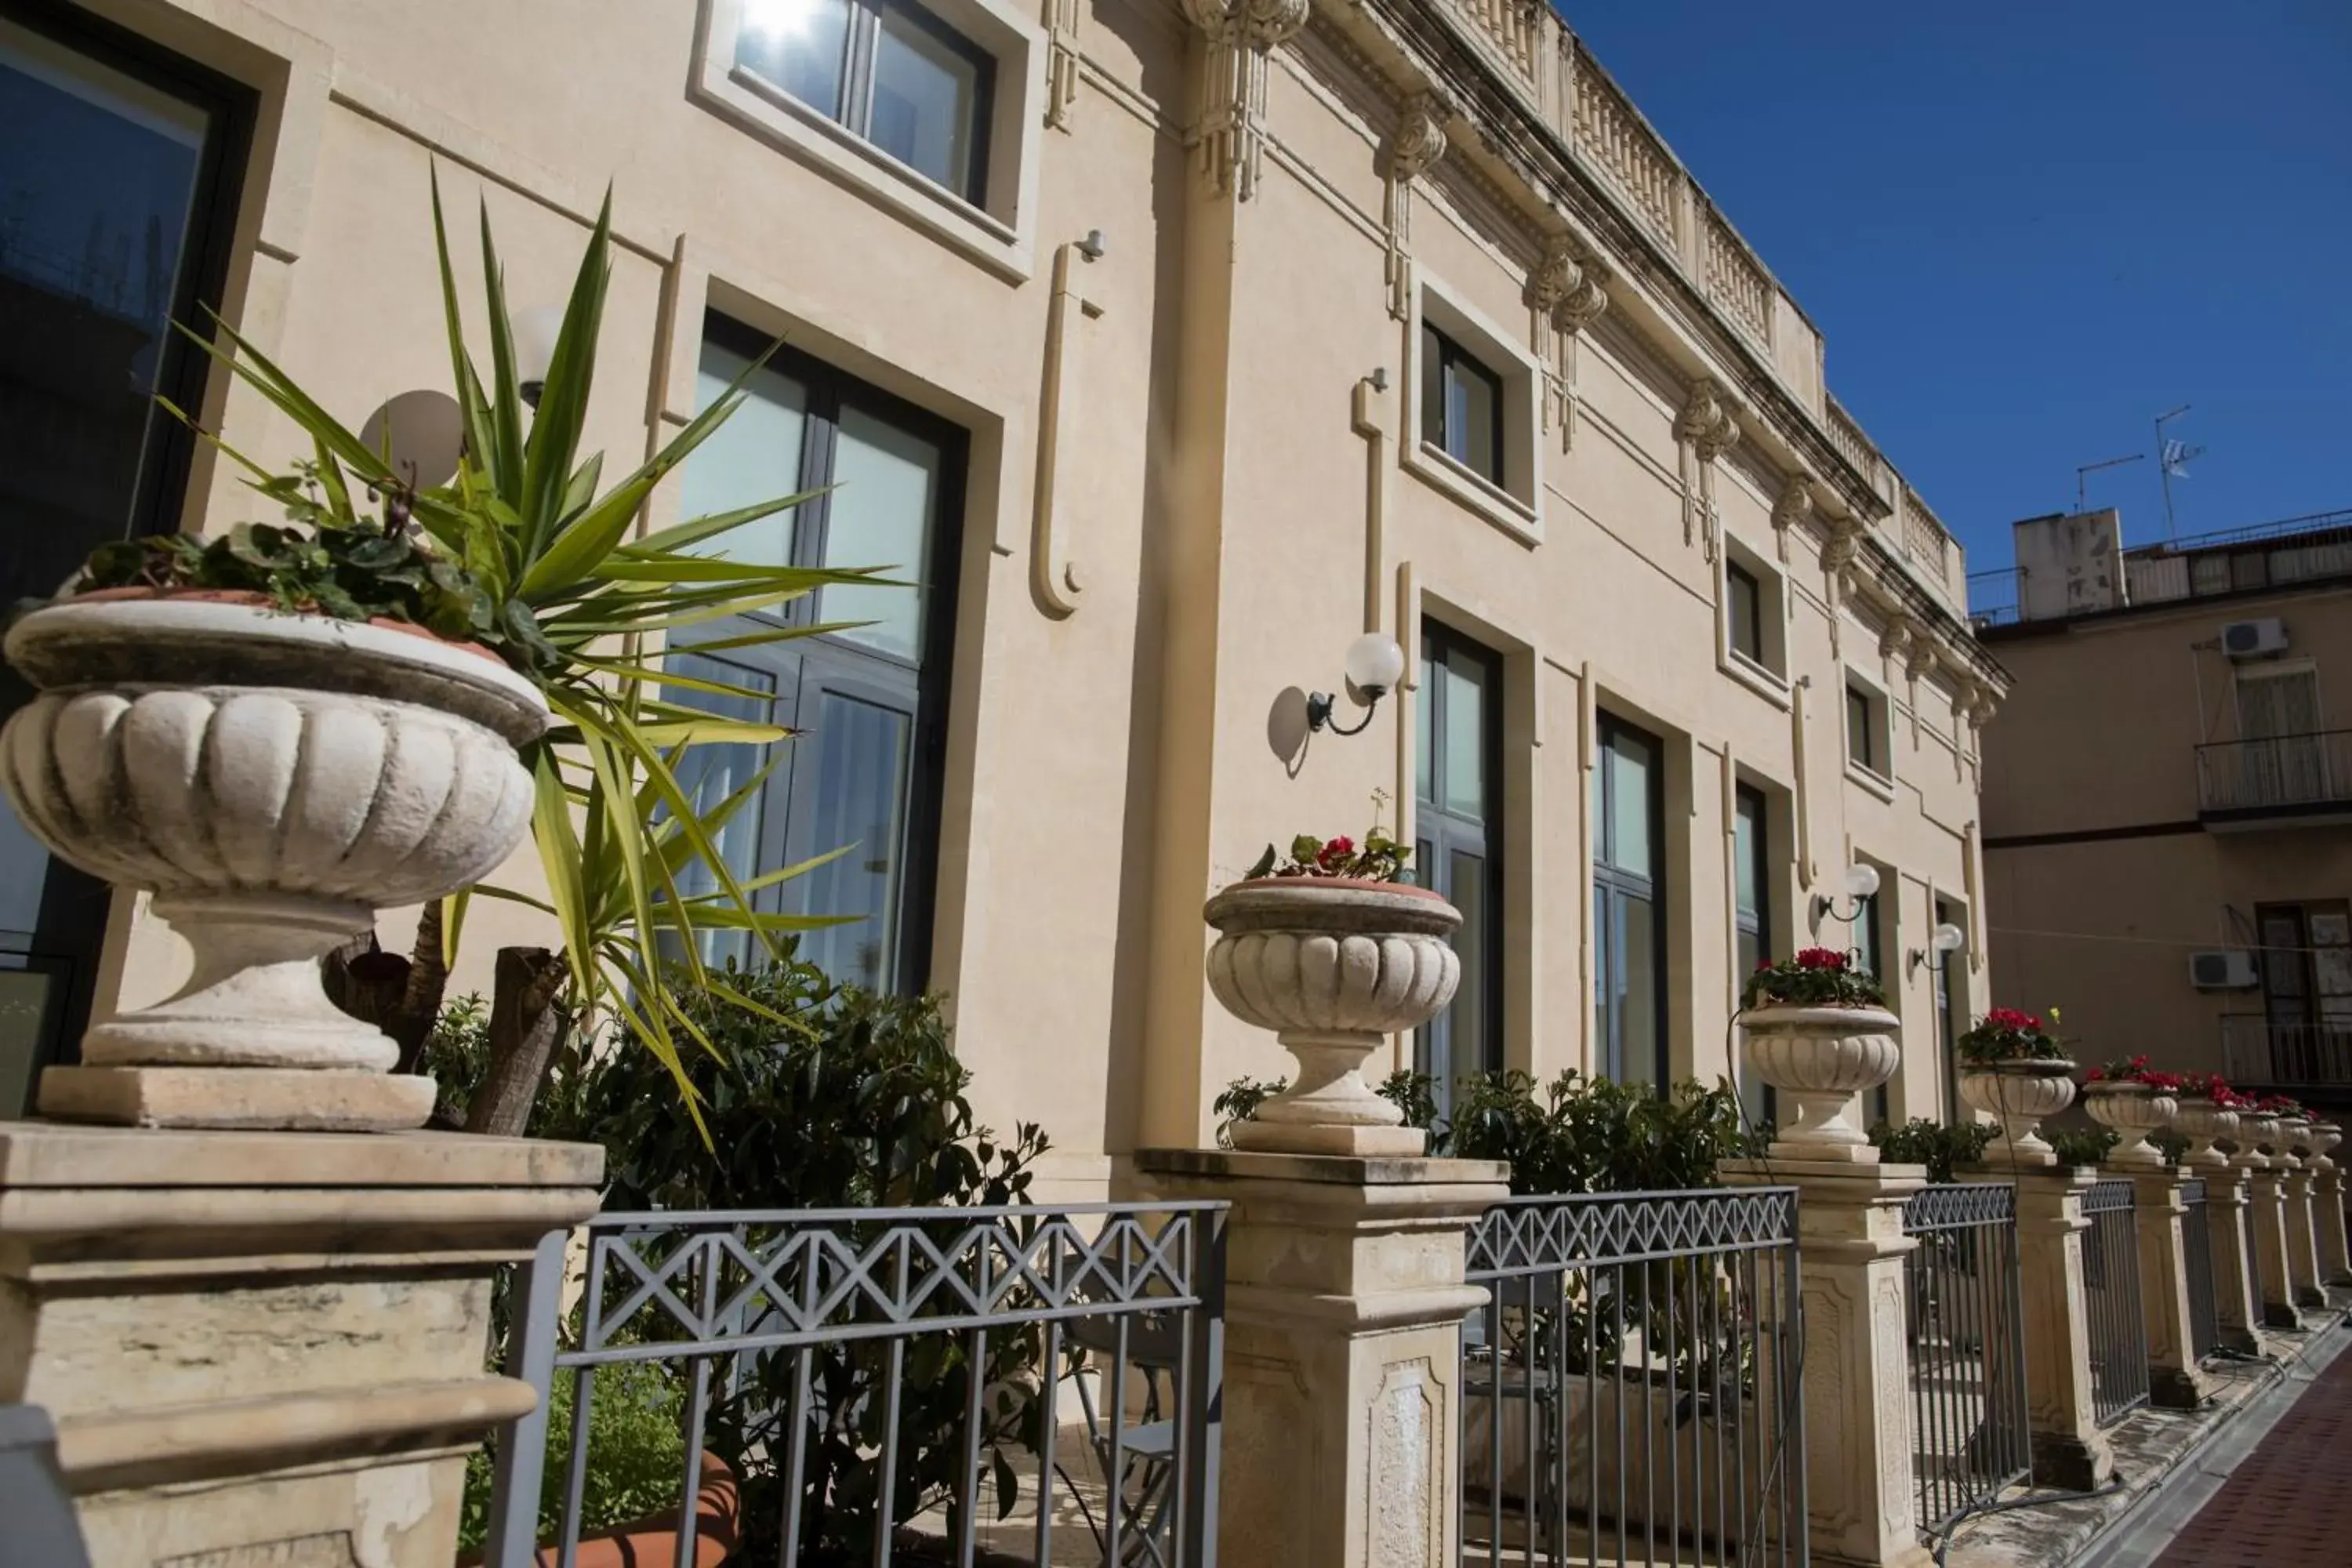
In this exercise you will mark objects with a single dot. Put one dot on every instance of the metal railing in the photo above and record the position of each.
(2118, 1334)
(881, 1385)
(2275, 772)
(2197, 1258)
(1971, 1435)
(1632, 1384)
(1992, 596)
(2255, 1050)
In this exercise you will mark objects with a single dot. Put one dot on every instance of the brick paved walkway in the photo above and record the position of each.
(2289, 1505)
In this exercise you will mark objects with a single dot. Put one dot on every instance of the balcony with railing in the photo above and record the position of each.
(2285, 554)
(2266, 1053)
(2283, 778)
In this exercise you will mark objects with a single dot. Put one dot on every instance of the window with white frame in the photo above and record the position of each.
(1869, 743)
(1754, 624)
(1472, 406)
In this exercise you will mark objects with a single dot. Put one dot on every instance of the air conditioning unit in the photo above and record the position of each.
(2250, 639)
(2232, 969)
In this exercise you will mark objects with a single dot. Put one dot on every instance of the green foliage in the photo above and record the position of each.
(1239, 1102)
(1596, 1135)
(636, 1455)
(1815, 978)
(1415, 1095)
(1933, 1145)
(1378, 858)
(2176, 1145)
(2082, 1145)
(458, 1056)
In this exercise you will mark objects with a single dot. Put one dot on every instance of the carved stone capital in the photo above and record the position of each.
(1256, 25)
(1896, 642)
(1556, 276)
(1707, 422)
(1842, 544)
(1420, 138)
(1794, 509)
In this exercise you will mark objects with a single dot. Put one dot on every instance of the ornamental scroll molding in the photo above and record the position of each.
(1794, 510)
(1414, 149)
(1708, 428)
(1233, 83)
(1567, 292)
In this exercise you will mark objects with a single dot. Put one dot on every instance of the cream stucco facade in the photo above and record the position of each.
(1196, 470)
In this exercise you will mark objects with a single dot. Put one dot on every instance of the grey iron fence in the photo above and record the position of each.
(1632, 1384)
(2197, 1256)
(881, 1385)
(2118, 1334)
(1970, 1435)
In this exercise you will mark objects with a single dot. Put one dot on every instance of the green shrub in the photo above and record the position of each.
(636, 1456)
(1941, 1148)
(2083, 1145)
(1412, 1093)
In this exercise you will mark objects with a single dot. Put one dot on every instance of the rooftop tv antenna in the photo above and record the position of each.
(2083, 476)
(2172, 461)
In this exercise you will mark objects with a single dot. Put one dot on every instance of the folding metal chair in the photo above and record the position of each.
(1147, 1450)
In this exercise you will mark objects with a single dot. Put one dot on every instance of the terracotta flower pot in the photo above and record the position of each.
(2203, 1121)
(1333, 966)
(1821, 1060)
(274, 780)
(2132, 1111)
(2021, 1093)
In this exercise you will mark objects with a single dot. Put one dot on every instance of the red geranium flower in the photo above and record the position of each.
(1336, 851)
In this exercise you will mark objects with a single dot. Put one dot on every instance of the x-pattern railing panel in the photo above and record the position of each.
(1954, 1205)
(1528, 1236)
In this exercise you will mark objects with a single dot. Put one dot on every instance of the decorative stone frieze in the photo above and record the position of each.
(1232, 129)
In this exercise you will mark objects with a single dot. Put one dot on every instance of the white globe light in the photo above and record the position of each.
(1861, 881)
(535, 330)
(1949, 937)
(1374, 663)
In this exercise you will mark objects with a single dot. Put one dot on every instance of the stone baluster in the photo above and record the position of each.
(2237, 1295)
(2069, 1451)
(2174, 1380)
(2302, 1231)
(2327, 1199)
(2266, 1175)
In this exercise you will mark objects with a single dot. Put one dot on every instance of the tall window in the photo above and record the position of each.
(1751, 918)
(887, 71)
(1862, 743)
(1458, 833)
(117, 200)
(1629, 917)
(1461, 405)
(867, 698)
(1864, 939)
(1951, 1007)
(1747, 606)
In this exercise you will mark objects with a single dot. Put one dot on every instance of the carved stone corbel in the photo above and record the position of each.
(1061, 58)
(1839, 551)
(1566, 293)
(1414, 149)
(1707, 430)
(1792, 511)
(1233, 82)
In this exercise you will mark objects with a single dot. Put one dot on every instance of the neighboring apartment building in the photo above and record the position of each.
(2167, 802)
(1167, 349)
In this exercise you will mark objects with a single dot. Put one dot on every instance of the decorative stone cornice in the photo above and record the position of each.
(1567, 286)
(1233, 82)
(1894, 641)
(1793, 509)
(1420, 138)
(1707, 422)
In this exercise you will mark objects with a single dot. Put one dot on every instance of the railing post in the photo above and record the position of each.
(2068, 1448)
(2302, 1229)
(1205, 1394)
(2274, 1289)
(2173, 1378)
(2334, 1247)
(1857, 1353)
(518, 1450)
(1344, 1300)
(2237, 1293)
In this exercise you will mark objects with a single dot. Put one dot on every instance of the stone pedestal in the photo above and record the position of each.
(2327, 1217)
(2278, 1288)
(2069, 1449)
(2237, 1290)
(1858, 1447)
(2173, 1378)
(2302, 1242)
(267, 1348)
(1344, 1302)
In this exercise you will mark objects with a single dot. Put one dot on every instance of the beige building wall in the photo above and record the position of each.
(2106, 869)
(1195, 472)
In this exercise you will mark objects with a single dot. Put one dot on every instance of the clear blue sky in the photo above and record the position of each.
(2028, 228)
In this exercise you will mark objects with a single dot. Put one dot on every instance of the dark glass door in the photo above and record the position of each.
(1629, 915)
(1752, 919)
(1457, 832)
(116, 207)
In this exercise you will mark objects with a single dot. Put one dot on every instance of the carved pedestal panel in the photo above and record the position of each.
(2237, 1292)
(2173, 1379)
(2069, 1451)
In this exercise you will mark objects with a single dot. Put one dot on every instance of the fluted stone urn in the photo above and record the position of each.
(2021, 1093)
(274, 780)
(1333, 966)
(2131, 1110)
(2258, 1142)
(1820, 1060)
(2203, 1121)
(2324, 1138)
(2293, 1141)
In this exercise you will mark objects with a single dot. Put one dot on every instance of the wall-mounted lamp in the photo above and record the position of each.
(1947, 938)
(1861, 882)
(535, 330)
(1373, 665)
(1093, 248)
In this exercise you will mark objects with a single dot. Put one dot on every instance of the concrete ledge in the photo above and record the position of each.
(1342, 1170)
(48, 1155)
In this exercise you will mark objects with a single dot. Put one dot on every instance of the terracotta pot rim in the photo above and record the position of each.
(253, 598)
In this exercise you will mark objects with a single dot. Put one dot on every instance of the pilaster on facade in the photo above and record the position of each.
(1231, 129)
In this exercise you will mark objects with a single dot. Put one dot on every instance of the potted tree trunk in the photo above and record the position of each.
(1332, 950)
(1817, 1029)
(2015, 1070)
(2131, 1099)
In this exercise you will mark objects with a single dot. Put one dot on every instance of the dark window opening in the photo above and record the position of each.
(1461, 407)
(1746, 597)
(1862, 739)
(1752, 919)
(1629, 911)
(1458, 844)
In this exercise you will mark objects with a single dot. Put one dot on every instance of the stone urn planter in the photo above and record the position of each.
(2021, 1093)
(2257, 1139)
(2131, 1111)
(2293, 1141)
(1820, 1060)
(2324, 1138)
(1333, 966)
(2203, 1121)
(274, 780)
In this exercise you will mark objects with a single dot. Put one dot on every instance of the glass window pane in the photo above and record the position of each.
(885, 489)
(1433, 389)
(1862, 735)
(926, 101)
(1470, 416)
(859, 751)
(709, 774)
(754, 456)
(800, 45)
(1466, 733)
(1747, 852)
(1865, 934)
(1424, 758)
(1638, 1017)
(1604, 990)
(25, 996)
(1471, 1049)
(1632, 768)
(1747, 627)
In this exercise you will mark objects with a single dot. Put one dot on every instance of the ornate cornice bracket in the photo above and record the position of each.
(1233, 82)
(1414, 148)
(1794, 510)
(1567, 292)
(1706, 429)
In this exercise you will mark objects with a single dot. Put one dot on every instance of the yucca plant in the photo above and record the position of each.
(562, 591)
